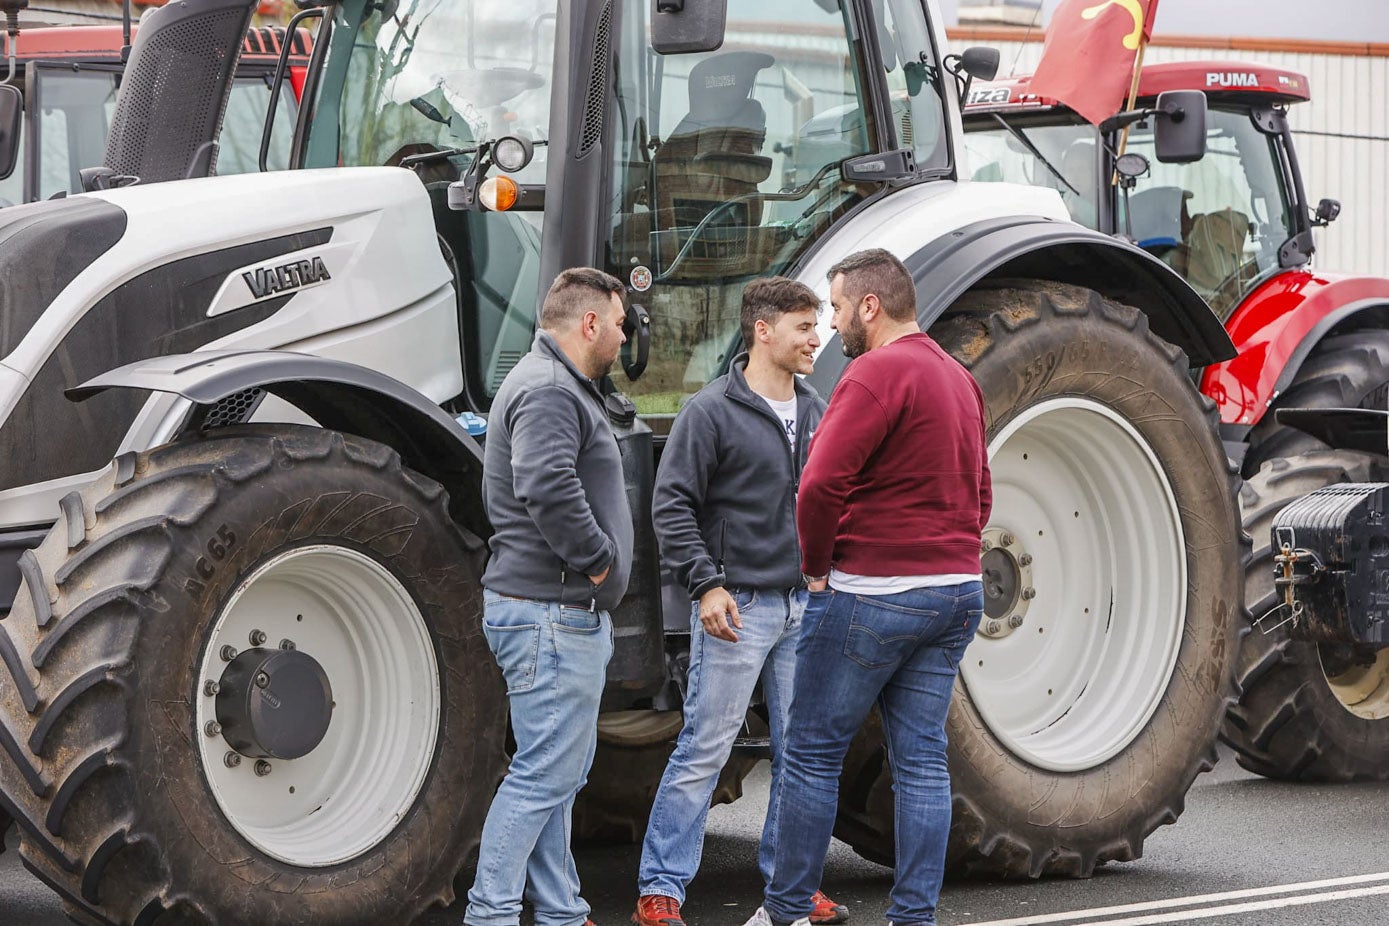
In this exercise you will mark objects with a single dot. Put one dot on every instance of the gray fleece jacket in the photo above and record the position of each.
(553, 487)
(725, 501)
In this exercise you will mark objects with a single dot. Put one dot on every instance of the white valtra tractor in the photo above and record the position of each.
(243, 679)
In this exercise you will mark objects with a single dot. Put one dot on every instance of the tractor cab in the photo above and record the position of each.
(69, 77)
(1226, 222)
(726, 159)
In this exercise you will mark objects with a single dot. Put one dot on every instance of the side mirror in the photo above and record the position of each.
(1328, 210)
(980, 62)
(1180, 134)
(683, 26)
(11, 123)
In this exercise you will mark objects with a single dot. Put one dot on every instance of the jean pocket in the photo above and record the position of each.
(578, 620)
(744, 598)
(882, 635)
(517, 648)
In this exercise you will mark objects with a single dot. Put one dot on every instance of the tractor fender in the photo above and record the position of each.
(1365, 430)
(1276, 327)
(1039, 248)
(339, 396)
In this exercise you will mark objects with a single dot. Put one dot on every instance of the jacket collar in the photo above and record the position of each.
(546, 345)
(738, 388)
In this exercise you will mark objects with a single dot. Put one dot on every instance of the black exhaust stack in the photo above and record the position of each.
(174, 93)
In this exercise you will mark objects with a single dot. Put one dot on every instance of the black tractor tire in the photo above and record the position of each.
(102, 655)
(1025, 342)
(633, 750)
(1289, 723)
(1348, 370)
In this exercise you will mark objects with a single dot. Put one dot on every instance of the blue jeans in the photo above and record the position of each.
(902, 651)
(554, 660)
(721, 680)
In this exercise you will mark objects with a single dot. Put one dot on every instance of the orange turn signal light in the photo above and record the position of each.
(498, 194)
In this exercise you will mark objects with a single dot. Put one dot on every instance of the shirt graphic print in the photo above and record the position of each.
(786, 414)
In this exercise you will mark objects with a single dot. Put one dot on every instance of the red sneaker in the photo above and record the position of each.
(827, 911)
(657, 910)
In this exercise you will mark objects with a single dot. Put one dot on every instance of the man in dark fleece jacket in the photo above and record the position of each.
(725, 513)
(893, 502)
(561, 555)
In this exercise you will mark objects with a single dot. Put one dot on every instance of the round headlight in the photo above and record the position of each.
(512, 153)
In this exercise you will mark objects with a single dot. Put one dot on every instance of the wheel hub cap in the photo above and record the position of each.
(274, 704)
(1007, 572)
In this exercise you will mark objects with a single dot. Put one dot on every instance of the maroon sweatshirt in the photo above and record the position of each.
(897, 482)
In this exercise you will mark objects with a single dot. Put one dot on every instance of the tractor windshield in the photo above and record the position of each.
(408, 77)
(1064, 156)
(1220, 221)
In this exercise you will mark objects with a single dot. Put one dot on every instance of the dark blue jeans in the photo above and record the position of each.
(901, 651)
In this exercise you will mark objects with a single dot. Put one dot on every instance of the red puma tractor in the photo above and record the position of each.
(1237, 225)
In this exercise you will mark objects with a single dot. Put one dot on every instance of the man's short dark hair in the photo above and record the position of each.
(768, 299)
(576, 291)
(879, 273)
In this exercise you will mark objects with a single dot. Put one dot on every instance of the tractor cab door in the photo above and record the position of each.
(1220, 221)
(728, 165)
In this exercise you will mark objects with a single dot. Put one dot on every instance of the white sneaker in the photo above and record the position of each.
(760, 918)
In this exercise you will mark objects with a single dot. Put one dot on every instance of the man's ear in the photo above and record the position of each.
(761, 329)
(870, 307)
(589, 324)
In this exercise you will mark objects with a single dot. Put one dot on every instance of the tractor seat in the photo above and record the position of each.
(711, 161)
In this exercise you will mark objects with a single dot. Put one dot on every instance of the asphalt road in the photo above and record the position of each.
(1261, 847)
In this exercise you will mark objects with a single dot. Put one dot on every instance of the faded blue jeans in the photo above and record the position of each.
(721, 680)
(554, 660)
(903, 652)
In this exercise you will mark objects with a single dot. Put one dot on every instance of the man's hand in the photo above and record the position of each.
(818, 585)
(717, 610)
(601, 577)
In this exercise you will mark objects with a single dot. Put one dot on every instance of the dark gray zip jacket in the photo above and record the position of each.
(553, 487)
(725, 502)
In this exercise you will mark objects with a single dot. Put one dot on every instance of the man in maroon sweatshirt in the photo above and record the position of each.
(893, 501)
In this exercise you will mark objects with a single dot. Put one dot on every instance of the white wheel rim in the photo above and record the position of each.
(1364, 690)
(1088, 500)
(347, 611)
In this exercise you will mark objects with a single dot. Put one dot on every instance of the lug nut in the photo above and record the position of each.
(287, 644)
(262, 768)
(228, 653)
(257, 637)
(211, 688)
(262, 680)
(231, 759)
(993, 628)
(213, 728)
(1009, 540)
(1015, 621)
(986, 546)
(1029, 593)
(1025, 559)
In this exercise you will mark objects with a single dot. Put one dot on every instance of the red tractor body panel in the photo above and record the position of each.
(1274, 328)
(1239, 80)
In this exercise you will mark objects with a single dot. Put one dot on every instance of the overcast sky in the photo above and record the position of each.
(1328, 20)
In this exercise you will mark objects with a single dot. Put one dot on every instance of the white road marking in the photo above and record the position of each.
(1086, 917)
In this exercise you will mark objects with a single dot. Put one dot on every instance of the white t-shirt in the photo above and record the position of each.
(786, 413)
(891, 585)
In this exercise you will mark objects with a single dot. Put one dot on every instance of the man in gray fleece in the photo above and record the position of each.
(725, 513)
(561, 556)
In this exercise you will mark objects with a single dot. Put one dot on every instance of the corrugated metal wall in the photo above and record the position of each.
(1342, 139)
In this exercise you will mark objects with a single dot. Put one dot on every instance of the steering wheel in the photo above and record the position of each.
(637, 351)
